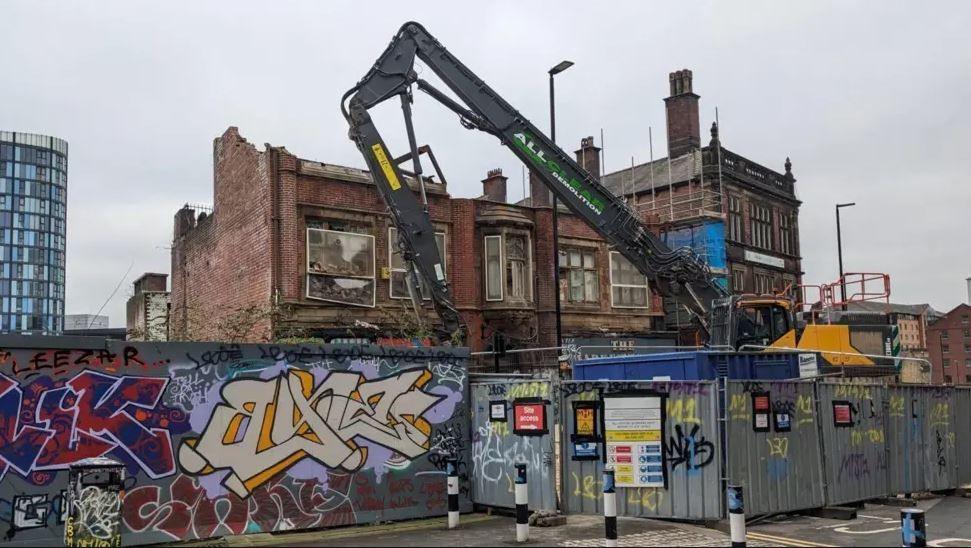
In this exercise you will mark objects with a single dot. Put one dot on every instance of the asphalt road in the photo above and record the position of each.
(948, 524)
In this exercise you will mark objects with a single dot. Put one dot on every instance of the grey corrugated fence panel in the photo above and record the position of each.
(940, 451)
(962, 429)
(905, 440)
(205, 434)
(692, 454)
(496, 449)
(855, 455)
(922, 439)
(779, 471)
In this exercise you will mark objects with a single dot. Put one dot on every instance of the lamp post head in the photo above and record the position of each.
(563, 65)
(845, 205)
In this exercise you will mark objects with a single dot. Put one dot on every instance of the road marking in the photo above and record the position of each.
(784, 541)
(944, 541)
(846, 530)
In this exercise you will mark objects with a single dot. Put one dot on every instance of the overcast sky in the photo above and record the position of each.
(870, 100)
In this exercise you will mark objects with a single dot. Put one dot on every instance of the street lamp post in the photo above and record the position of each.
(560, 67)
(839, 250)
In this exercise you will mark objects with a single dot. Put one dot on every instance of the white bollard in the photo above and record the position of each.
(451, 468)
(522, 504)
(610, 509)
(736, 516)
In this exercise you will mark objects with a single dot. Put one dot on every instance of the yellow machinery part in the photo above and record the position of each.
(820, 338)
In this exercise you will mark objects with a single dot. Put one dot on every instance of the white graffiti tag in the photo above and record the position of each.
(97, 511)
(265, 426)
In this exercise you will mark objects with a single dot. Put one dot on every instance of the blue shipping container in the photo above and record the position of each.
(690, 366)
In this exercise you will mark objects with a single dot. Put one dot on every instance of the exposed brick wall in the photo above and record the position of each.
(223, 263)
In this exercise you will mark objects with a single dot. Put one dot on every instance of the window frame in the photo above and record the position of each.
(567, 269)
(736, 220)
(372, 277)
(443, 251)
(527, 259)
(485, 269)
(646, 286)
(760, 219)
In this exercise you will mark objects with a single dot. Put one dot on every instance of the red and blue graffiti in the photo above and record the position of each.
(48, 424)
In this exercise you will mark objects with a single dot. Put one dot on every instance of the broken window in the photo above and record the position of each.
(340, 267)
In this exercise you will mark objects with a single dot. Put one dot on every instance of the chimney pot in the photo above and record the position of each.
(494, 186)
(969, 290)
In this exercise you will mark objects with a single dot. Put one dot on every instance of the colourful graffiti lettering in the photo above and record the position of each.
(90, 415)
(266, 426)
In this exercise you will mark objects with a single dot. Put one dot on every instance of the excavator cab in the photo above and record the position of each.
(761, 320)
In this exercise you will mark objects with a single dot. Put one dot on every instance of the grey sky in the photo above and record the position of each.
(869, 100)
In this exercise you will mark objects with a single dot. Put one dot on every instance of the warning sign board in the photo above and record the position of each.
(633, 433)
(529, 417)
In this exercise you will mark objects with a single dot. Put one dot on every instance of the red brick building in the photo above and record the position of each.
(311, 240)
(949, 346)
(314, 238)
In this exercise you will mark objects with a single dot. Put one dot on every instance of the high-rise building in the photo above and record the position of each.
(33, 210)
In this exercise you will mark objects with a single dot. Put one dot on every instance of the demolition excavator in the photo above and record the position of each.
(724, 320)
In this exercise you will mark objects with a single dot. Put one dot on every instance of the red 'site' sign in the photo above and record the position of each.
(529, 418)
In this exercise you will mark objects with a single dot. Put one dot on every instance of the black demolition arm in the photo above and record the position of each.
(678, 273)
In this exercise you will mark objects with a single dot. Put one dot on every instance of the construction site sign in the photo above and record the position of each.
(633, 431)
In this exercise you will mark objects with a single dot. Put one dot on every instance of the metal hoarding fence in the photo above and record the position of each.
(921, 439)
(852, 423)
(962, 427)
(691, 459)
(773, 445)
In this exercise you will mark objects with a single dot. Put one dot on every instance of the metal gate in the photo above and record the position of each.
(497, 448)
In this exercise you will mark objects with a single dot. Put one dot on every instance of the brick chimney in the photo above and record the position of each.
(494, 186)
(589, 157)
(969, 290)
(684, 131)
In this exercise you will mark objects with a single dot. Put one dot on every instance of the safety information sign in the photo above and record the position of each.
(632, 428)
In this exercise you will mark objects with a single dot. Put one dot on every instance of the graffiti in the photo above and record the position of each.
(858, 391)
(497, 389)
(323, 436)
(266, 426)
(30, 511)
(528, 390)
(853, 466)
(589, 390)
(872, 435)
(280, 504)
(692, 450)
(62, 360)
(684, 410)
(88, 416)
(97, 514)
(392, 355)
(218, 356)
(941, 448)
(738, 408)
(940, 414)
(778, 447)
(896, 406)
